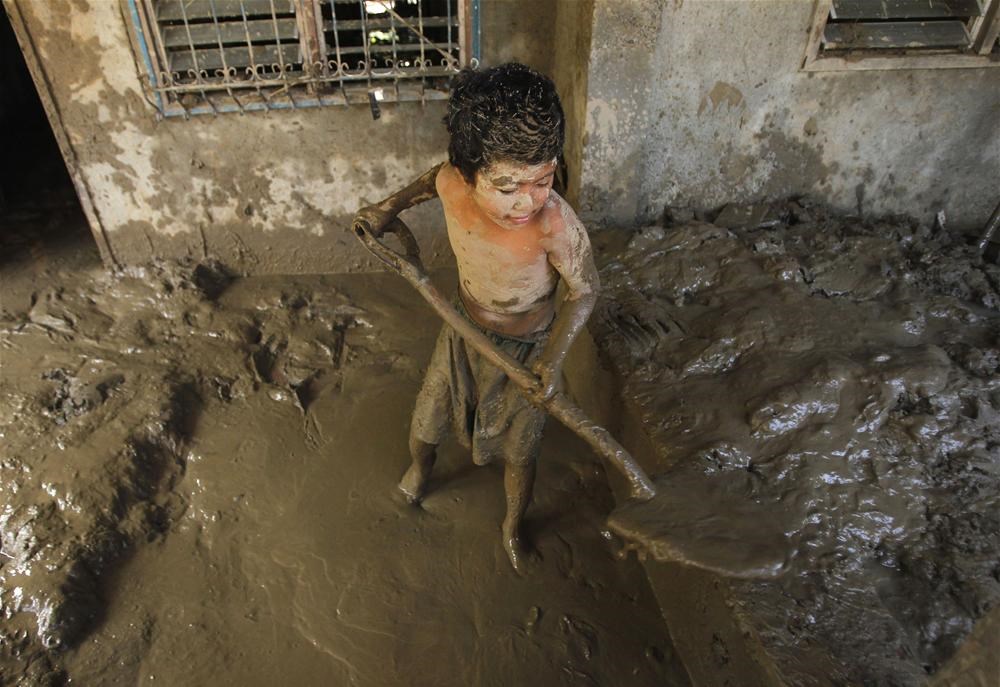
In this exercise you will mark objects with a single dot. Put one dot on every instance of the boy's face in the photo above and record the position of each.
(511, 193)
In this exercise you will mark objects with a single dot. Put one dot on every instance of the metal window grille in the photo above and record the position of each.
(911, 26)
(213, 56)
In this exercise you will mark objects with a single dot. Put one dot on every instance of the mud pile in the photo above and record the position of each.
(102, 385)
(840, 379)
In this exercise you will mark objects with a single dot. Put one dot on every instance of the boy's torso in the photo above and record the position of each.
(505, 279)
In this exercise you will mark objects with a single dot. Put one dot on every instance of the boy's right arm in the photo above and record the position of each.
(380, 214)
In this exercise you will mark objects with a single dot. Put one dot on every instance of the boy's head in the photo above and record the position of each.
(507, 130)
(507, 113)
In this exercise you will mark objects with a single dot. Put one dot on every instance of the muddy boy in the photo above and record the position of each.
(514, 238)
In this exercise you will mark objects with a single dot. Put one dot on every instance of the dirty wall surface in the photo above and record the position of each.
(838, 382)
(693, 103)
(198, 487)
(702, 103)
(263, 192)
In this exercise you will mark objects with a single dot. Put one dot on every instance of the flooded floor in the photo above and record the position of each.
(198, 487)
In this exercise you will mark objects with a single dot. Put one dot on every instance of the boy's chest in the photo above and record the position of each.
(502, 273)
(517, 249)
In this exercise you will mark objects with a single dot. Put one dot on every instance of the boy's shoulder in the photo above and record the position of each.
(448, 180)
(559, 219)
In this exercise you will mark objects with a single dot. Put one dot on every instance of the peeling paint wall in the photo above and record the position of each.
(264, 192)
(702, 102)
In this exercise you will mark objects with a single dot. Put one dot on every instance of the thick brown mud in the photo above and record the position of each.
(824, 398)
(197, 477)
(198, 487)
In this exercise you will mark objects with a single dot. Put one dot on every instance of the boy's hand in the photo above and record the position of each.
(549, 378)
(375, 218)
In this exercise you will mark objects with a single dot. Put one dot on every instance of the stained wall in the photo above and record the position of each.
(669, 102)
(264, 192)
(703, 102)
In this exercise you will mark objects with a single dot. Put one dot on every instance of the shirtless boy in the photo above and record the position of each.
(513, 239)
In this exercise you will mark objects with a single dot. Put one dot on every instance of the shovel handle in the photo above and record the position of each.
(363, 230)
(558, 405)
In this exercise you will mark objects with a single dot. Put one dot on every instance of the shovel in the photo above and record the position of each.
(674, 519)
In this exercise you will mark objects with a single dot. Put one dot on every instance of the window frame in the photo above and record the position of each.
(320, 83)
(978, 55)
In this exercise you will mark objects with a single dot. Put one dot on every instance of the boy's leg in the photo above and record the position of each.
(518, 482)
(521, 445)
(521, 449)
(431, 416)
(414, 482)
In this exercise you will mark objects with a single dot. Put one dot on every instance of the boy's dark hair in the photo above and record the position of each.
(509, 112)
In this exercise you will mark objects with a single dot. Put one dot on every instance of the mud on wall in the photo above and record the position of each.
(263, 192)
(702, 102)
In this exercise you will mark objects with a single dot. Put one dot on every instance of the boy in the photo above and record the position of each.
(513, 239)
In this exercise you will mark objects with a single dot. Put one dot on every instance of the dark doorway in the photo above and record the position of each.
(39, 208)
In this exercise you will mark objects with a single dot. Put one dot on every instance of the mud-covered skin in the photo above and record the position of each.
(196, 488)
(421, 190)
(840, 380)
(514, 239)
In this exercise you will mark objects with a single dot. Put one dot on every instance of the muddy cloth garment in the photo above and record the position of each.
(488, 412)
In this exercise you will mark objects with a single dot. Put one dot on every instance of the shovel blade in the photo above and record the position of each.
(709, 522)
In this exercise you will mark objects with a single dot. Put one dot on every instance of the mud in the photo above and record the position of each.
(198, 487)
(826, 389)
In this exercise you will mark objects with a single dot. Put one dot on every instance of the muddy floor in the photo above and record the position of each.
(197, 476)
(197, 487)
(826, 389)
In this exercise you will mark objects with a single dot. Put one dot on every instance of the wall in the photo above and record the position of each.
(701, 102)
(571, 56)
(669, 102)
(264, 192)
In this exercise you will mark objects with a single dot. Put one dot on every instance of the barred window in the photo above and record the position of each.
(213, 56)
(886, 34)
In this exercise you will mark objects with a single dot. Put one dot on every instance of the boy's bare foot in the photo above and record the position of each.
(413, 485)
(517, 550)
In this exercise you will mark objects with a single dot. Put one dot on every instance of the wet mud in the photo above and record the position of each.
(197, 486)
(823, 395)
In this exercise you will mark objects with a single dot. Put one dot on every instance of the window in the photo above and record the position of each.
(900, 34)
(213, 56)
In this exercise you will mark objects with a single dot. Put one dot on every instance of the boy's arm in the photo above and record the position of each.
(380, 214)
(572, 257)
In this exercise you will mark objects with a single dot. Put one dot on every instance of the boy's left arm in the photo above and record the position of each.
(570, 254)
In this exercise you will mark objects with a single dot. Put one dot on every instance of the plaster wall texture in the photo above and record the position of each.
(263, 192)
(702, 102)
